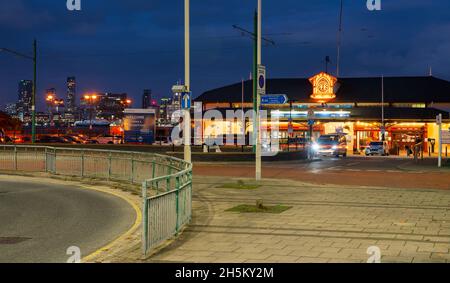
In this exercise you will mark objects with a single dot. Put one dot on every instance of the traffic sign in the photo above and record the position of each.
(274, 99)
(311, 115)
(186, 100)
(261, 80)
(311, 122)
(179, 89)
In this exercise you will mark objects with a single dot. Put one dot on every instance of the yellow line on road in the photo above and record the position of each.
(135, 226)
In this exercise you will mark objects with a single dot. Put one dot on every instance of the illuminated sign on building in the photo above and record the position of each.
(323, 87)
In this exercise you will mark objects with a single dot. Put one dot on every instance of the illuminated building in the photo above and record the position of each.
(146, 98)
(110, 106)
(24, 103)
(71, 95)
(406, 113)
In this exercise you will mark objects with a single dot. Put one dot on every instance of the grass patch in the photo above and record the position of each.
(239, 185)
(245, 208)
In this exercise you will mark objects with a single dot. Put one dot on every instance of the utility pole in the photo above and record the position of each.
(383, 129)
(258, 101)
(439, 122)
(339, 39)
(33, 98)
(187, 82)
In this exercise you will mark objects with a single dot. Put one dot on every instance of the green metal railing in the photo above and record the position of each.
(166, 181)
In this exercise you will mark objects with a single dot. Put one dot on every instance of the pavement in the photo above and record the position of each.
(41, 218)
(326, 224)
(352, 171)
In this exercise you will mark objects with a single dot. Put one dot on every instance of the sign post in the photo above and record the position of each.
(274, 99)
(439, 122)
(187, 82)
(261, 91)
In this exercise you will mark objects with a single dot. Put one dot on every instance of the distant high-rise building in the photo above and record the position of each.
(147, 99)
(71, 95)
(163, 110)
(11, 109)
(25, 99)
(110, 106)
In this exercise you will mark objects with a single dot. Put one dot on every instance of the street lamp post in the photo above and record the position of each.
(187, 82)
(33, 97)
(90, 100)
(258, 98)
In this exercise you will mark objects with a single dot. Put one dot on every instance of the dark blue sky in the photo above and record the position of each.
(127, 46)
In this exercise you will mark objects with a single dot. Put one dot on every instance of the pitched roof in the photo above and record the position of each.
(368, 90)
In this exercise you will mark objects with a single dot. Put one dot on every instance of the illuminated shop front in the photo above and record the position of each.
(404, 109)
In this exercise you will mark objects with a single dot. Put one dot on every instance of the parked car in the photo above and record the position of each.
(73, 139)
(330, 145)
(6, 139)
(52, 139)
(377, 148)
(108, 139)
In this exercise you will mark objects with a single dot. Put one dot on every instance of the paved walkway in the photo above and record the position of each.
(325, 224)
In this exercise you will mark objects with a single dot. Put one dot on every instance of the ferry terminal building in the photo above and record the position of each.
(353, 106)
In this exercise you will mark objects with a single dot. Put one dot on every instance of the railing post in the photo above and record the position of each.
(132, 168)
(177, 192)
(144, 218)
(153, 168)
(109, 165)
(82, 164)
(45, 160)
(15, 158)
(168, 178)
(54, 160)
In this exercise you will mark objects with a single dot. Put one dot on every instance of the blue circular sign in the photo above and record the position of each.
(262, 81)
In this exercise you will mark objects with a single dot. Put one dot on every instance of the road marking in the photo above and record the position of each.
(135, 226)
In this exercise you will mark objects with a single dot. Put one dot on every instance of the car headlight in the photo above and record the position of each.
(334, 147)
(315, 147)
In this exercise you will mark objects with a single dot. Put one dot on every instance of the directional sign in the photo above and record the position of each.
(261, 80)
(186, 100)
(179, 89)
(274, 99)
(311, 122)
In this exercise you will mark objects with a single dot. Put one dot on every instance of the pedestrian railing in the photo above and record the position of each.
(166, 181)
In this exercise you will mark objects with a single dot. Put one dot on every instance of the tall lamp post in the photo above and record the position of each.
(90, 100)
(33, 97)
(258, 98)
(187, 82)
(50, 99)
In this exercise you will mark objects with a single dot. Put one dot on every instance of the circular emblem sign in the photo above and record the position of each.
(262, 81)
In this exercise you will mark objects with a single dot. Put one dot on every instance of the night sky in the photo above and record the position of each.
(128, 46)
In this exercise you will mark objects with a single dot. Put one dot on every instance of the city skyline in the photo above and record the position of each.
(149, 54)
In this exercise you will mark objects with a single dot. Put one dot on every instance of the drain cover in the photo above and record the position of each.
(12, 240)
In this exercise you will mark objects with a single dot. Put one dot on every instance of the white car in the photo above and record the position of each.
(377, 148)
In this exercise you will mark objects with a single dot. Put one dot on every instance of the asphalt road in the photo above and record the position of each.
(39, 220)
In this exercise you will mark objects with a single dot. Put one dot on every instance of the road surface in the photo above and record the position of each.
(40, 220)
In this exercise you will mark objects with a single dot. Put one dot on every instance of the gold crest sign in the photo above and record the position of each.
(323, 87)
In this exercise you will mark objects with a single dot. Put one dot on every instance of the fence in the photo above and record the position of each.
(166, 181)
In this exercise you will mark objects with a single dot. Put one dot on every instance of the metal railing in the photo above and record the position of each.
(166, 181)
